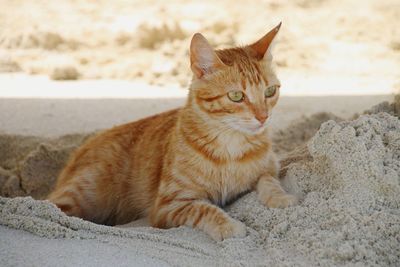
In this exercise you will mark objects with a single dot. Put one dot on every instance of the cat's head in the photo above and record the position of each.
(235, 86)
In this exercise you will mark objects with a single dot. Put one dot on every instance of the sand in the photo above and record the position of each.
(341, 57)
(346, 174)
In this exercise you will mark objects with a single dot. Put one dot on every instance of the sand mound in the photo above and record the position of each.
(392, 108)
(348, 177)
(30, 165)
(350, 184)
(299, 132)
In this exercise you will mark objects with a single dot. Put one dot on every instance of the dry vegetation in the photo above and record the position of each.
(148, 40)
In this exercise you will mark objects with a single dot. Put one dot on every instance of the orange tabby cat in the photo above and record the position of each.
(179, 167)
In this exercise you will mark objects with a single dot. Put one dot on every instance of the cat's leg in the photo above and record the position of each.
(271, 193)
(68, 200)
(199, 214)
(76, 195)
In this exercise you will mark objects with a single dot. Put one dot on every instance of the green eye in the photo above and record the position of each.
(271, 90)
(236, 96)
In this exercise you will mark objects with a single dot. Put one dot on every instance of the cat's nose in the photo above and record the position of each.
(262, 117)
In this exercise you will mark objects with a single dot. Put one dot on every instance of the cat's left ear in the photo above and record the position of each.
(203, 59)
(262, 47)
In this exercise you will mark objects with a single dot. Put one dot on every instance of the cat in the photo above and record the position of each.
(181, 166)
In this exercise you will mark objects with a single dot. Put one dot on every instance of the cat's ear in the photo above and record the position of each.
(262, 48)
(203, 59)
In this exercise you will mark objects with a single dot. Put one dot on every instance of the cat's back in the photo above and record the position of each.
(125, 160)
(130, 139)
(136, 131)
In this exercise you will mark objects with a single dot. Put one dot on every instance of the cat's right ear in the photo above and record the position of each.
(262, 48)
(203, 59)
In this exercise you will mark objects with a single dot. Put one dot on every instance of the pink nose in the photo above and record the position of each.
(262, 117)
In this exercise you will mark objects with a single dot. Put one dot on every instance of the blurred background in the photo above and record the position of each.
(139, 50)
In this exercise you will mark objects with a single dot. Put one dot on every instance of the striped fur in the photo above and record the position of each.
(182, 166)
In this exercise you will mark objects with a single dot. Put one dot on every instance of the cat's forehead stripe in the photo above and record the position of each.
(253, 74)
(245, 63)
(260, 74)
(244, 84)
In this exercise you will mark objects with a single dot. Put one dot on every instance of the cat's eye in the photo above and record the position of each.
(236, 96)
(271, 90)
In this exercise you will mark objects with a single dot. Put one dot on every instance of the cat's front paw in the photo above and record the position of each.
(230, 229)
(283, 200)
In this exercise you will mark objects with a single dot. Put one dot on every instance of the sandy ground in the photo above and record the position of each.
(39, 116)
(338, 230)
(347, 177)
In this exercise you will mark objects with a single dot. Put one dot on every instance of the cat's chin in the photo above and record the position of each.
(256, 130)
